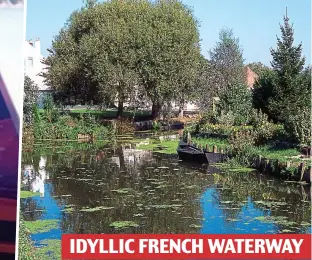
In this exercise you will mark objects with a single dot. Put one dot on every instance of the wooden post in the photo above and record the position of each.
(301, 171)
(214, 149)
(221, 151)
(200, 146)
(207, 147)
(189, 138)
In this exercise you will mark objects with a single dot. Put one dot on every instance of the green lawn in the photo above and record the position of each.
(107, 113)
(282, 155)
(168, 147)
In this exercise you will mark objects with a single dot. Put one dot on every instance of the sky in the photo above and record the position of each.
(254, 22)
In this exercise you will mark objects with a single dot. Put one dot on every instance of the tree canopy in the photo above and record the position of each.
(31, 93)
(226, 59)
(288, 64)
(112, 50)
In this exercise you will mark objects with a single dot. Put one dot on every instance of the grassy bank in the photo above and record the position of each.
(48, 249)
(27, 251)
(288, 159)
(267, 151)
(111, 113)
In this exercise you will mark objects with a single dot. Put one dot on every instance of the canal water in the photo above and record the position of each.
(123, 190)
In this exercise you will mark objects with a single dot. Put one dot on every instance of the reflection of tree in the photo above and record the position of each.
(282, 200)
(33, 178)
(229, 191)
(30, 209)
(142, 193)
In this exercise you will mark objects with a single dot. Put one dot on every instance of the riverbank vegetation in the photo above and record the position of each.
(123, 62)
(137, 80)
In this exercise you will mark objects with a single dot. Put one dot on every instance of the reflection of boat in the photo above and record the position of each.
(189, 152)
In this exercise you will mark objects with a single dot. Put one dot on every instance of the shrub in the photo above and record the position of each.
(209, 118)
(263, 91)
(226, 118)
(50, 113)
(298, 126)
(237, 100)
(241, 139)
(31, 93)
(243, 145)
(155, 126)
(221, 129)
(124, 126)
(264, 130)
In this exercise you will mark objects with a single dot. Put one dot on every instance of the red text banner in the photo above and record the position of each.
(186, 246)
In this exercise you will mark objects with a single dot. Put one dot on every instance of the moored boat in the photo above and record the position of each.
(189, 152)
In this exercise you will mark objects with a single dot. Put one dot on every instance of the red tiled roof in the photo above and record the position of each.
(251, 77)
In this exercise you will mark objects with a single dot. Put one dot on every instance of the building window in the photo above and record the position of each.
(30, 62)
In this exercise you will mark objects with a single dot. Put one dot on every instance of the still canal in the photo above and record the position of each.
(120, 189)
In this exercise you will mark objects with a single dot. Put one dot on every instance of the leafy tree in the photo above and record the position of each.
(168, 52)
(236, 100)
(113, 50)
(288, 64)
(227, 60)
(258, 68)
(264, 90)
(208, 84)
(298, 126)
(31, 93)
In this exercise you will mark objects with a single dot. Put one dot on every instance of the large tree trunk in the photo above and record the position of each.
(120, 109)
(181, 109)
(156, 111)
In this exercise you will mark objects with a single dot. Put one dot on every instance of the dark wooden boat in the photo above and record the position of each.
(189, 152)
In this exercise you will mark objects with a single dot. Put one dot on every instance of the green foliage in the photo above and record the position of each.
(27, 250)
(51, 112)
(221, 129)
(285, 92)
(227, 119)
(241, 140)
(299, 127)
(50, 124)
(156, 125)
(126, 50)
(69, 128)
(31, 93)
(237, 100)
(264, 91)
(227, 61)
(258, 68)
(264, 130)
(292, 89)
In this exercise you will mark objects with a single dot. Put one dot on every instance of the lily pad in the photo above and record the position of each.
(28, 194)
(123, 224)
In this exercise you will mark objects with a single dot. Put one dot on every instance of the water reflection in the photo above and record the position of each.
(90, 191)
(34, 180)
